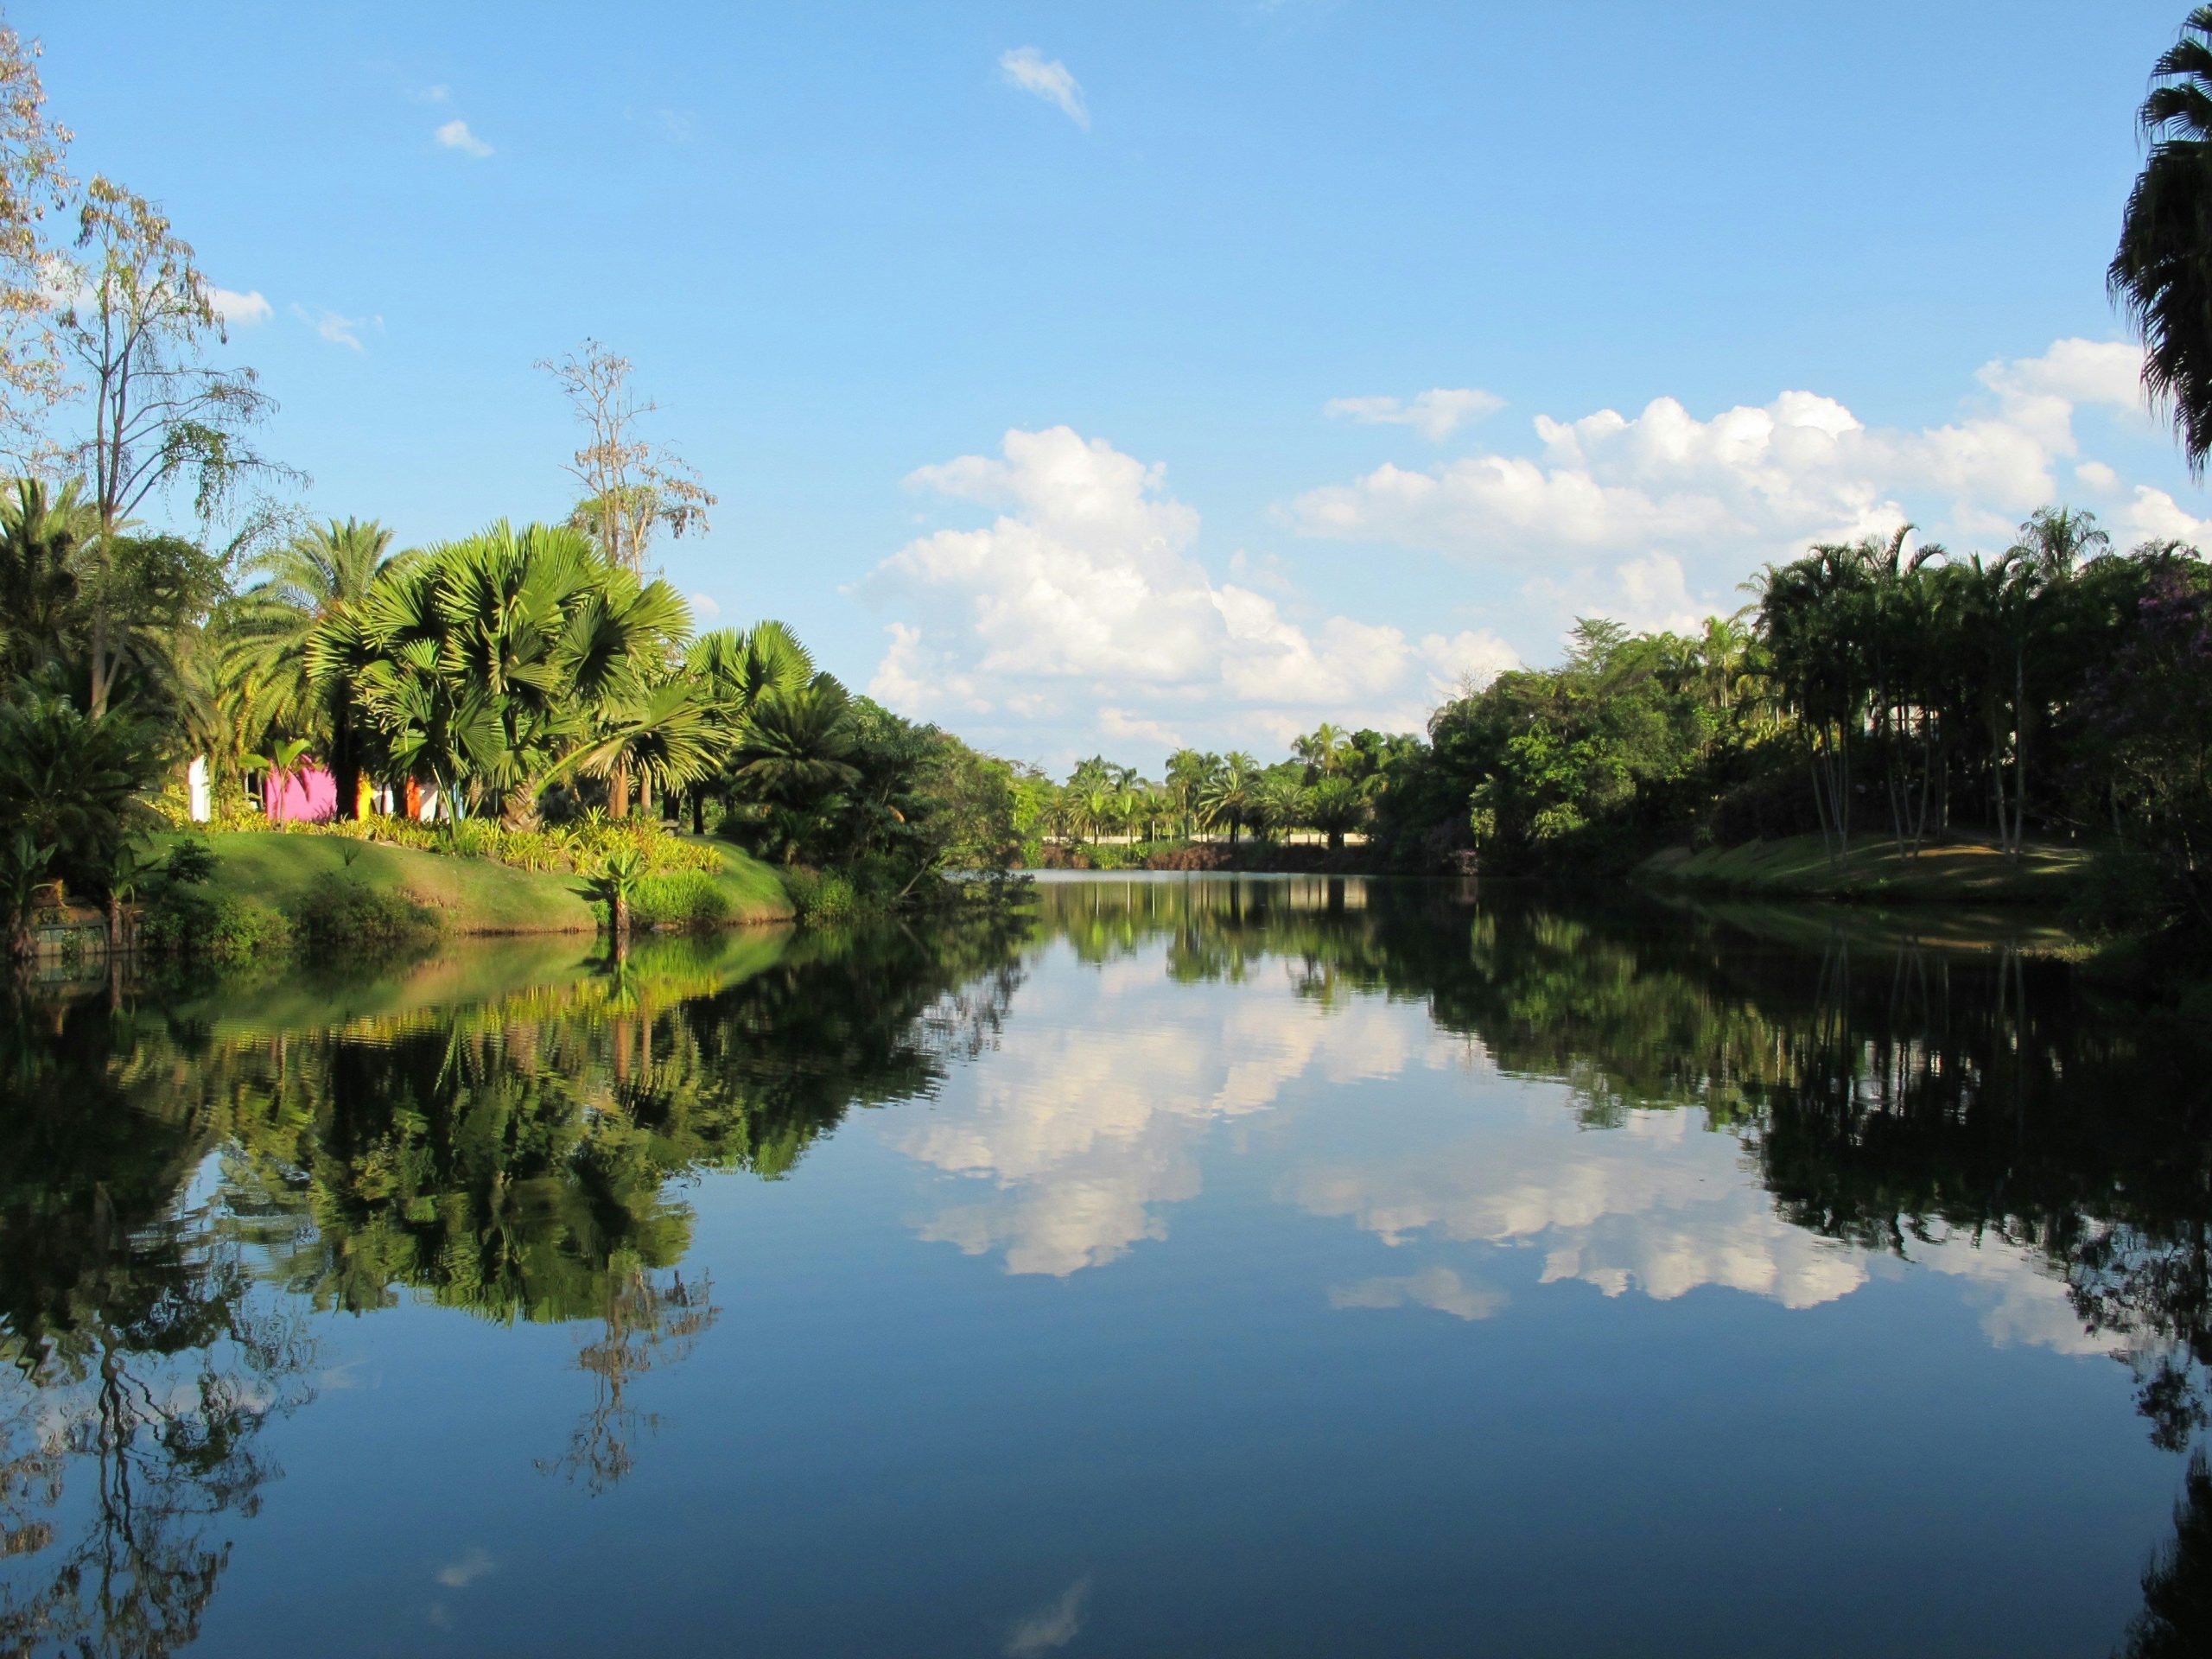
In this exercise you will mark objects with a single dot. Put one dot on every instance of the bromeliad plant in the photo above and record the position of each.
(615, 884)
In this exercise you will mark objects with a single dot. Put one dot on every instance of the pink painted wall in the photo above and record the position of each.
(310, 793)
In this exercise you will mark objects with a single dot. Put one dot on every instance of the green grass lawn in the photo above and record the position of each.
(469, 895)
(1962, 872)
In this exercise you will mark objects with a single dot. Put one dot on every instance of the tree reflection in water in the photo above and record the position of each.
(647, 1324)
(144, 1360)
(179, 1189)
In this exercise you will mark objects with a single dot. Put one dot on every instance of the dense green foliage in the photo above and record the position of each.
(2161, 273)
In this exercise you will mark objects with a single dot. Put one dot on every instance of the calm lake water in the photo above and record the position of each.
(1185, 1266)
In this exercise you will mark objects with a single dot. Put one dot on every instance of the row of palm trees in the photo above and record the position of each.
(507, 664)
(1325, 790)
(1905, 673)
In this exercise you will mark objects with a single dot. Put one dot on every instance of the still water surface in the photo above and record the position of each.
(1185, 1266)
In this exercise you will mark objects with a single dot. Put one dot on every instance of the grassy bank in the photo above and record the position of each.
(1798, 866)
(263, 882)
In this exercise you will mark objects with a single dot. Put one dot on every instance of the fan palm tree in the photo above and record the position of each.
(622, 645)
(733, 671)
(292, 643)
(664, 735)
(493, 659)
(436, 731)
(2162, 274)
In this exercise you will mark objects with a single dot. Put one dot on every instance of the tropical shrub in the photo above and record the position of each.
(350, 912)
(201, 922)
(191, 859)
(819, 899)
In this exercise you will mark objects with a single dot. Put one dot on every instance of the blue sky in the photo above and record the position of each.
(1060, 367)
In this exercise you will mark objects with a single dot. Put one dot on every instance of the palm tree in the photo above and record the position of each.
(40, 535)
(1282, 803)
(283, 761)
(1230, 793)
(1059, 818)
(1809, 615)
(291, 643)
(491, 661)
(2055, 541)
(1128, 808)
(1096, 807)
(74, 783)
(733, 672)
(1324, 751)
(796, 751)
(2162, 274)
(1336, 805)
(622, 643)
(1187, 772)
(662, 735)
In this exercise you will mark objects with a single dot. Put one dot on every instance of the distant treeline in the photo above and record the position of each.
(2058, 690)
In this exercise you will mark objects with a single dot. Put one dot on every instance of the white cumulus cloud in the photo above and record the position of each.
(1026, 68)
(1084, 598)
(456, 134)
(1435, 414)
(239, 310)
(1674, 509)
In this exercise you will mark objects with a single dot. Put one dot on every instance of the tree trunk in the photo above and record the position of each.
(344, 766)
(2019, 753)
(99, 701)
(618, 790)
(618, 917)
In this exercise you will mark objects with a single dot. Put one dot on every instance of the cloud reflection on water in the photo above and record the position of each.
(1092, 1115)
